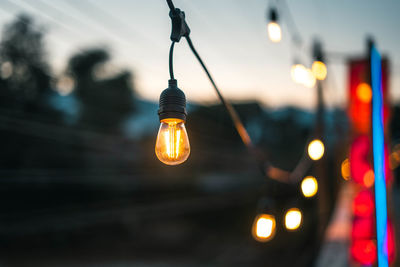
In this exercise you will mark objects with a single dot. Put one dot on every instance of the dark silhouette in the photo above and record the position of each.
(105, 103)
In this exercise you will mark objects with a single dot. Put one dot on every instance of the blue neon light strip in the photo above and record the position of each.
(378, 140)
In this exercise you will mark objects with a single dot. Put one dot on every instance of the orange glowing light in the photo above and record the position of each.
(274, 32)
(345, 169)
(309, 186)
(264, 227)
(319, 70)
(172, 145)
(369, 178)
(364, 92)
(316, 149)
(293, 218)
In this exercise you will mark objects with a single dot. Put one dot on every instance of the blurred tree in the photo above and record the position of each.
(25, 87)
(24, 67)
(105, 102)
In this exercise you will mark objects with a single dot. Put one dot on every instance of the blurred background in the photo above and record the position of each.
(80, 184)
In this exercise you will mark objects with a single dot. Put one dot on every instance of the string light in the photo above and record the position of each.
(309, 186)
(319, 70)
(263, 228)
(274, 29)
(364, 92)
(293, 218)
(345, 169)
(316, 149)
(298, 73)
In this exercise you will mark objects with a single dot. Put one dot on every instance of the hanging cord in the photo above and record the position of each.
(180, 29)
(232, 112)
(171, 65)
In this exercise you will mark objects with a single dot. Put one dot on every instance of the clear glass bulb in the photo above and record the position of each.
(172, 145)
(274, 32)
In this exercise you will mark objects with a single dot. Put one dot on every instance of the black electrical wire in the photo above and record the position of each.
(171, 5)
(232, 112)
(171, 65)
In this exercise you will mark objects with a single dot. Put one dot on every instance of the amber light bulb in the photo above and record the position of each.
(172, 145)
(274, 29)
(274, 32)
(293, 219)
(263, 228)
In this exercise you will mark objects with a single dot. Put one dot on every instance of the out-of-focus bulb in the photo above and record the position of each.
(309, 186)
(264, 227)
(345, 169)
(293, 219)
(172, 145)
(319, 70)
(364, 92)
(298, 73)
(316, 149)
(309, 80)
(274, 32)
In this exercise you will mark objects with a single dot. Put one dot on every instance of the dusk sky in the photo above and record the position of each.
(230, 35)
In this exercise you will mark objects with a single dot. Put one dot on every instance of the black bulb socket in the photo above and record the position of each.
(273, 15)
(172, 103)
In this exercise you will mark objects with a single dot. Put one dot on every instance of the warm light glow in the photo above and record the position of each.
(316, 149)
(172, 145)
(309, 186)
(293, 219)
(319, 70)
(364, 92)
(264, 227)
(298, 73)
(274, 32)
(369, 178)
(309, 79)
(345, 168)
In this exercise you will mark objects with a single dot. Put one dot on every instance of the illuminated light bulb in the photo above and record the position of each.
(309, 186)
(345, 169)
(364, 92)
(316, 149)
(309, 79)
(172, 144)
(369, 178)
(319, 70)
(293, 219)
(274, 32)
(264, 227)
(298, 73)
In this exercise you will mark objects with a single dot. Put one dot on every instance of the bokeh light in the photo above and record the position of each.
(264, 227)
(345, 169)
(298, 73)
(309, 79)
(316, 149)
(274, 32)
(319, 70)
(309, 186)
(293, 219)
(364, 92)
(369, 178)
